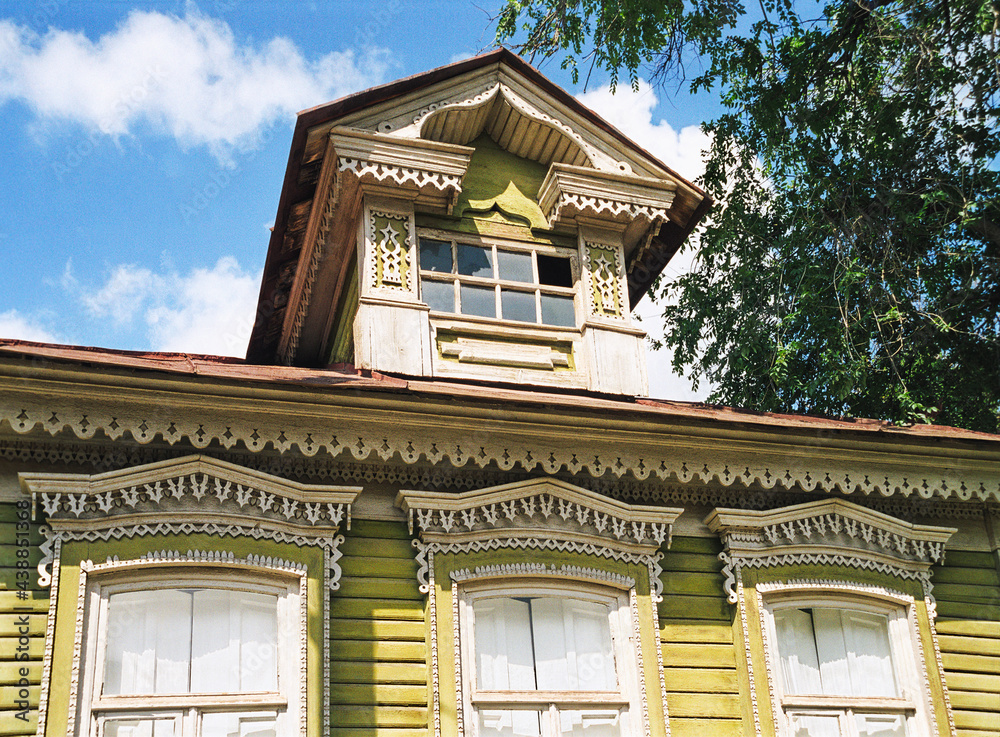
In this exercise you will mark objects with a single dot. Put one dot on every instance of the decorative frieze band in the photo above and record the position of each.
(540, 569)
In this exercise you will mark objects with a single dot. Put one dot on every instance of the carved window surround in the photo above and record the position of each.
(536, 515)
(569, 192)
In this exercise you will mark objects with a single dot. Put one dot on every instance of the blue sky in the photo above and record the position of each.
(142, 148)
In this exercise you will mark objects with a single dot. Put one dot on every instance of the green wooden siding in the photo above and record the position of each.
(13, 611)
(967, 589)
(696, 633)
(378, 637)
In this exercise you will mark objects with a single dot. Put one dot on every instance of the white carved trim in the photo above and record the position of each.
(605, 279)
(823, 585)
(564, 571)
(633, 601)
(46, 564)
(748, 650)
(50, 632)
(328, 561)
(81, 608)
(426, 555)
(456, 633)
(940, 669)
(658, 642)
(357, 438)
(401, 176)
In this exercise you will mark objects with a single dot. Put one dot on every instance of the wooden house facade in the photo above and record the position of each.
(435, 500)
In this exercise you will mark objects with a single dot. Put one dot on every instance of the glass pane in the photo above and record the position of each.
(853, 651)
(880, 725)
(234, 641)
(504, 656)
(515, 266)
(239, 725)
(435, 255)
(495, 723)
(590, 723)
(478, 300)
(558, 310)
(475, 261)
(142, 727)
(555, 271)
(148, 642)
(797, 651)
(572, 643)
(516, 305)
(438, 295)
(811, 725)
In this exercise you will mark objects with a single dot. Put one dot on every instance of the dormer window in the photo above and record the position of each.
(523, 283)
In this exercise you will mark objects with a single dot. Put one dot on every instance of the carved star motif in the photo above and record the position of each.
(389, 235)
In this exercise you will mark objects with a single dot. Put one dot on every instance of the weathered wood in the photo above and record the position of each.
(379, 588)
(693, 562)
(380, 530)
(8, 694)
(973, 628)
(975, 720)
(374, 650)
(10, 624)
(971, 663)
(973, 682)
(375, 672)
(705, 545)
(965, 559)
(973, 645)
(11, 725)
(37, 601)
(377, 732)
(674, 631)
(694, 607)
(965, 610)
(704, 727)
(359, 629)
(714, 705)
(697, 584)
(10, 673)
(974, 576)
(390, 694)
(976, 701)
(380, 567)
(701, 680)
(699, 655)
(9, 648)
(378, 716)
(967, 593)
(412, 611)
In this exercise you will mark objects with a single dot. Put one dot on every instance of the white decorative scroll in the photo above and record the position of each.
(540, 569)
(402, 175)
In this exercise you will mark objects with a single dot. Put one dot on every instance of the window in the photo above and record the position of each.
(207, 657)
(545, 662)
(498, 282)
(846, 669)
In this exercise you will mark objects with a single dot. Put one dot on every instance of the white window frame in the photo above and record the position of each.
(285, 703)
(624, 636)
(904, 648)
(494, 244)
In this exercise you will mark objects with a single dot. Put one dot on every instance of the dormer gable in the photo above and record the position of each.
(474, 222)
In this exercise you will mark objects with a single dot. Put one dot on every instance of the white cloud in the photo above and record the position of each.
(632, 113)
(22, 327)
(208, 310)
(187, 77)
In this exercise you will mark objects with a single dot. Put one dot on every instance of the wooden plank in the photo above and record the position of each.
(9, 648)
(973, 645)
(11, 725)
(700, 655)
(715, 705)
(10, 672)
(696, 584)
(10, 624)
(973, 682)
(381, 530)
(410, 611)
(379, 694)
(696, 632)
(37, 601)
(976, 576)
(962, 592)
(693, 562)
(965, 559)
(972, 628)
(360, 629)
(374, 672)
(701, 680)
(694, 607)
(379, 716)
(975, 701)
(379, 567)
(373, 650)
(8, 694)
(964, 610)
(975, 719)
(970, 663)
(704, 545)
(379, 588)
(378, 732)
(705, 728)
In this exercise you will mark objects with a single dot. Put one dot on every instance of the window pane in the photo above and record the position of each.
(435, 255)
(439, 295)
(139, 727)
(590, 723)
(148, 642)
(475, 261)
(234, 641)
(558, 310)
(797, 650)
(572, 640)
(515, 266)
(504, 657)
(516, 305)
(555, 271)
(238, 725)
(880, 725)
(815, 726)
(478, 300)
(493, 723)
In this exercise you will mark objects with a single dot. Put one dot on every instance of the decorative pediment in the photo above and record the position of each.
(539, 507)
(830, 531)
(572, 191)
(193, 490)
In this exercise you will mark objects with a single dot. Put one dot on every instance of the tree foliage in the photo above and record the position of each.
(851, 265)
